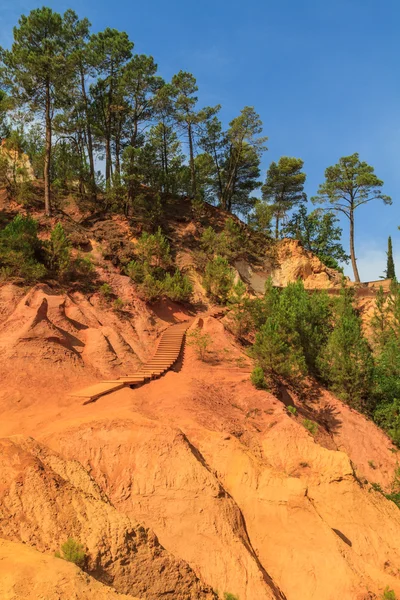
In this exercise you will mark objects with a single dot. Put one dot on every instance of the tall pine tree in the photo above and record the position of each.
(390, 270)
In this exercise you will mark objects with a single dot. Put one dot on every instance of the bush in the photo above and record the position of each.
(118, 304)
(258, 379)
(346, 362)
(228, 596)
(292, 327)
(291, 409)
(151, 288)
(388, 594)
(200, 341)
(136, 271)
(59, 252)
(21, 251)
(218, 279)
(72, 551)
(311, 426)
(177, 287)
(106, 291)
(154, 249)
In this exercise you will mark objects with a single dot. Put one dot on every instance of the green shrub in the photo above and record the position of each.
(82, 266)
(228, 596)
(177, 287)
(72, 551)
(388, 594)
(292, 327)
(154, 249)
(218, 279)
(118, 304)
(291, 409)
(106, 291)
(21, 251)
(59, 251)
(346, 362)
(311, 426)
(258, 379)
(151, 288)
(136, 271)
(200, 341)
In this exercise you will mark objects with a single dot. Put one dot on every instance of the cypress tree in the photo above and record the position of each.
(390, 270)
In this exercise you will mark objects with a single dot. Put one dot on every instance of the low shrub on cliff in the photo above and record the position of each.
(21, 251)
(72, 551)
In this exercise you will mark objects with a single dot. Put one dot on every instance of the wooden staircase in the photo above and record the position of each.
(166, 355)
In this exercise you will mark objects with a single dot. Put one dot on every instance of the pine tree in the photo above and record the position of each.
(390, 270)
(319, 233)
(346, 362)
(283, 187)
(348, 185)
(37, 72)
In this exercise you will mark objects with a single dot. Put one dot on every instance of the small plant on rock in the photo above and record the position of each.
(228, 596)
(118, 304)
(258, 379)
(72, 551)
(106, 291)
(200, 341)
(311, 426)
(291, 409)
(388, 594)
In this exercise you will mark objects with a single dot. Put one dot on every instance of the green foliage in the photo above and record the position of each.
(136, 270)
(154, 249)
(348, 185)
(258, 379)
(106, 291)
(73, 551)
(218, 279)
(283, 187)
(390, 269)
(21, 251)
(149, 272)
(346, 362)
(59, 252)
(386, 337)
(261, 217)
(291, 409)
(239, 315)
(118, 304)
(228, 596)
(319, 233)
(292, 327)
(177, 287)
(311, 426)
(388, 594)
(200, 341)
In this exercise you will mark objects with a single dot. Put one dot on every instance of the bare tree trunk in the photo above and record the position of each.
(89, 140)
(277, 227)
(191, 154)
(352, 251)
(47, 156)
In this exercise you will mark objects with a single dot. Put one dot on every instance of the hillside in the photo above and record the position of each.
(195, 484)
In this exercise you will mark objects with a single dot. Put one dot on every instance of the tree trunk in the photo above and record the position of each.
(89, 141)
(192, 166)
(352, 251)
(277, 227)
(47, 156)
(108, 162)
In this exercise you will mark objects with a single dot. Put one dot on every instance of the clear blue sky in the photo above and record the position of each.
(324, 77)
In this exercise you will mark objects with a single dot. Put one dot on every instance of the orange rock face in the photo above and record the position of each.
(193, 484)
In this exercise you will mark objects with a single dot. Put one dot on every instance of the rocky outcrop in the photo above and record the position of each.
(292, 262)
(26, 574)
(44, 500)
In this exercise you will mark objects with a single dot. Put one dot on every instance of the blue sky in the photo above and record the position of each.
(324, 77)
